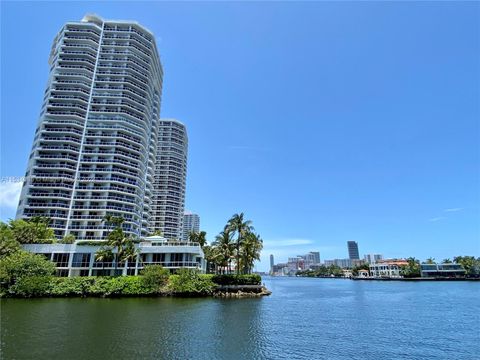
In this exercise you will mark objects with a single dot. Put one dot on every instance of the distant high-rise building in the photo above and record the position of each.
(353, 253)
(314, 256)
(191, 223)
(170, 179)
(271, 263)
(95, 144)
(372, 258)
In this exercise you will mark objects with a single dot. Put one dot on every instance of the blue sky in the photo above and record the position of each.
(323, 121)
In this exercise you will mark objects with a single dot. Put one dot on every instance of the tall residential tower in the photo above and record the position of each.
(170, 179)
(191, 223)
(353, 250)
(95, 144)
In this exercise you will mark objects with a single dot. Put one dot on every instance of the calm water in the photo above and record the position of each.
(303, 319)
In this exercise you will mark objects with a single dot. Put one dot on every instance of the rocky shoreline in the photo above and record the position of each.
(241, 291)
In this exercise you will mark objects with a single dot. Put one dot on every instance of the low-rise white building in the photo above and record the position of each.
(79, 259)
(387, 268)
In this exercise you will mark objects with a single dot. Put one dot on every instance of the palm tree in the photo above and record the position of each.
(447, 261)
(209, 258)
(241, 227)
(200, 237)
(104, 255)
(250, 251)
(193, 236)
(157, 233)
(117, 239)
(128, 251)
(430, 260)
(226, 247)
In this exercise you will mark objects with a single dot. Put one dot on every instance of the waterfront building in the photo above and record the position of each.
(372, 258)
(390, 268)
(272, 263)
(191, 223)
(170, 179)
(353, 253)
(280, 269)
(95, 145)
(442, 270)
(312, 258)
(362, 273)
(79, 259)
(295, 264)
(342, 263)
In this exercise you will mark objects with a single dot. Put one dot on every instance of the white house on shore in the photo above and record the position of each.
(389, 268)
(79, 259)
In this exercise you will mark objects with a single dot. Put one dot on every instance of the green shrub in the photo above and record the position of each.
(134, 286)
(73, 286)
(8, 244)
(91, 243)
(31, 286)
(114, 286)
(68, 239)
(189, 282)
(32, 231)
(155, 277)
(98, 286)
(26, 274)
(252, 279)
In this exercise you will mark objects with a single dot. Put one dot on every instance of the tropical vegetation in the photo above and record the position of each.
(118, 247)
(35, 230)
(29, 275)
(235, 249)
(322, 271)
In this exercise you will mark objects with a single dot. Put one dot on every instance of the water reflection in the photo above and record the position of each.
(303, 319)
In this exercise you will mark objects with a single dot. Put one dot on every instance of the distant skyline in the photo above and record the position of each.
(324, 122)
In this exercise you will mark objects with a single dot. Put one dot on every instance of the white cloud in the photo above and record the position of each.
(437, 218)
(453, 210)
(9, 194)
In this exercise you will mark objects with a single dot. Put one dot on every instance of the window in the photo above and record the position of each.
(81, 260)
(158, 257)
(62, 272)
(175, 257)
(61, 259)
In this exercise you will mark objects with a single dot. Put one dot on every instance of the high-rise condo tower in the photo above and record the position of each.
(95, 144)
(170, 178)
(353, 250)
(191, 223)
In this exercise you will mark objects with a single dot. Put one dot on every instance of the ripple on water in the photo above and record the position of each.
(302, 319)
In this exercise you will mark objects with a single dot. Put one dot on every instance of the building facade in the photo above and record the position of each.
(442, 270)
(312, 258)
(79, 259)
(372, 258)
(387, 268)
(170, 179)
(95, 144)
(191, 223)
(353, 253)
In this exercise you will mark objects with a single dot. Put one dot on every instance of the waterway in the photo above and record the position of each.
(304, 318)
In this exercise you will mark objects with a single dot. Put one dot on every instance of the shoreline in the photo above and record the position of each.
(417, 279)
(382, 279)
(225, 291)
